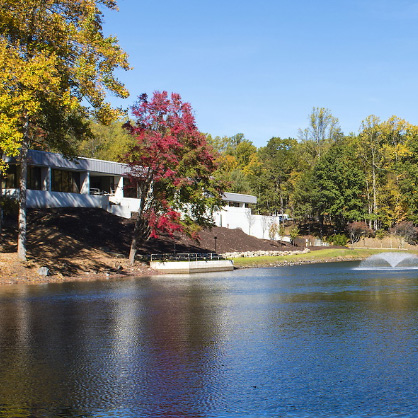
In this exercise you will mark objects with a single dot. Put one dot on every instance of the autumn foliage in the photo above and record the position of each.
(56, 66)
(357, 230)
(171, 168)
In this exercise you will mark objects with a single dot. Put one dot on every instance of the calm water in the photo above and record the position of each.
(308, 341)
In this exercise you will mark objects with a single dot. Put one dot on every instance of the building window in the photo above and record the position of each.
(234, 204)
(65, 181)
(102, 185)
(34, 178)
(131, 188)
(10, 178)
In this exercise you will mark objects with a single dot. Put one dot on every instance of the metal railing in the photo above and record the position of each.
(185, 257)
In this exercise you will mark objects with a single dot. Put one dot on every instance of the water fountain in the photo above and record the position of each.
(390, 260)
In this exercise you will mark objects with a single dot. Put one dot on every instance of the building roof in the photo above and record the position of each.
(51, 159)
(240, 198)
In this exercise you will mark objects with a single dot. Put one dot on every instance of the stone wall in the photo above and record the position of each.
(263, 253)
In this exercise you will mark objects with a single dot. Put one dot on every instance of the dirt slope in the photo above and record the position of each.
(82, 241)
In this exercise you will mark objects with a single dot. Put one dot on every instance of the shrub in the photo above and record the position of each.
(380, 234)
(10, 206)
(294, 233)
(338, 239)
(407, 231)
(273, 230)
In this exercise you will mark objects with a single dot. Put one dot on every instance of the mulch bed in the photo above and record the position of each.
(101, 230)
(80, 241)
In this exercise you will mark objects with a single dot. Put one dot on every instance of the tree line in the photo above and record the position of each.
(365, 182)
(326, 177)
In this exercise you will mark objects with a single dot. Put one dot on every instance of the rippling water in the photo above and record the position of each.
(308, 341)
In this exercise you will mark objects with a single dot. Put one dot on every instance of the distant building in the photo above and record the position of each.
(237, 213)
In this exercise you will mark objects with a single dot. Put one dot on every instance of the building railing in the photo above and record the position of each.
(96, 191)
(186, 257)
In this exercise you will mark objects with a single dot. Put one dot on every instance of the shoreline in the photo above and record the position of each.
(314, 257)
(88, 267)
(87, 277)
(297, 262)
(18, 273)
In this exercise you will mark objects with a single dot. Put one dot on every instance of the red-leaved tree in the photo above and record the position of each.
(357, 229)
(171, 169)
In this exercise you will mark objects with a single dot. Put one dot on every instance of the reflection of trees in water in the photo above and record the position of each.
(182, 335)
(344, 325)
(104, 350)
(343, 305)
(36, 345)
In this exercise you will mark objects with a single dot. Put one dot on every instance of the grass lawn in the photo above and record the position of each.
(318, 256)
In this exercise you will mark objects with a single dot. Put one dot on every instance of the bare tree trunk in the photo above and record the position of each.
(21, 239)
(141, 232)
(375, 222)
(281, 199)
(133, 249)
(369, 205)
(141, 229)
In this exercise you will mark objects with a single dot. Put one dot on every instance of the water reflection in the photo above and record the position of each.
(309, 341)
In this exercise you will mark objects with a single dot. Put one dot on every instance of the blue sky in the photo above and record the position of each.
(260, 67)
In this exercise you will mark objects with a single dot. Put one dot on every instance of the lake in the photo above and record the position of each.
(321, 340)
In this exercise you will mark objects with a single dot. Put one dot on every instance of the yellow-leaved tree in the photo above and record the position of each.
(56, 67)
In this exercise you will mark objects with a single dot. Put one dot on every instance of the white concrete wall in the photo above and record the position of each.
(229, 217)
(85, 182)
(43, 199)
(123, 206)
(119, 188)
(255, 225)
(186, 267)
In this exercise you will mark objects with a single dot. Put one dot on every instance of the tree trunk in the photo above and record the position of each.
(369, 206)
(375, 221)
(133, 249)
(141, 229)
(141, 233)
(21, 239)
(1, 202)
(281, 199)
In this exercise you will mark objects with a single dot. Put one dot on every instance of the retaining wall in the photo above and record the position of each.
(186, 267)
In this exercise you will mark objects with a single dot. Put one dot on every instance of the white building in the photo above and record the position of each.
(237, 213)
(54, 181)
